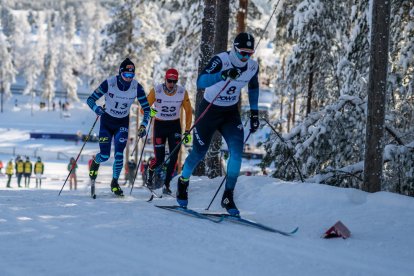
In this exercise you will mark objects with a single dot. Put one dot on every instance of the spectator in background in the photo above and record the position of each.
(9, 172)
(19, 170)
(38, 170)
(132, 166)
(72, 166)
(28, 169)
(90, 162)
(1, 166)
(143, 166)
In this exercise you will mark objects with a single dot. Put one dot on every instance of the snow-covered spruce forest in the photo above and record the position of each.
(314, 56)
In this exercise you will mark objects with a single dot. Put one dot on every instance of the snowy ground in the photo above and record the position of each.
(42, 233)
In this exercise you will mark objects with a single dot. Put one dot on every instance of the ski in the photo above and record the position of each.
(247, 222)
(93, 195)
(153, 194)
(189, 212)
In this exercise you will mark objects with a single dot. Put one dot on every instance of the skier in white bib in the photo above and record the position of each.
(232, 71)
(120, 92)
(168, 98)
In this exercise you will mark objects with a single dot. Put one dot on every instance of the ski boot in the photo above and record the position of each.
(166, 190)
(150, 178)
(93, 172)
(115, 188)
(228, 203)
(182, 192)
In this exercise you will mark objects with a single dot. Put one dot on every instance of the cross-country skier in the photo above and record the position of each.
(168, 98)
(232, 71)
(120, 92)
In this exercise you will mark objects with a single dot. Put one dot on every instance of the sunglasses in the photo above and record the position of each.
(244, 53)
(128, 75)
(172, 81)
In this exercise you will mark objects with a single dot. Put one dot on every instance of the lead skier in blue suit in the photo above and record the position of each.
(232, 71)
(120, 92)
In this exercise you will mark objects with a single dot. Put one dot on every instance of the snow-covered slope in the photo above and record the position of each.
(42, 233)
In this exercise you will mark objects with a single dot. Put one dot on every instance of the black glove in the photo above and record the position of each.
(141, 131)
(254, 120)
(232, 73)
(99, 110)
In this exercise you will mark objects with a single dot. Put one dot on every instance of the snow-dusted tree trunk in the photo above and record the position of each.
(207, 51)
(377, 88)
(221, 36)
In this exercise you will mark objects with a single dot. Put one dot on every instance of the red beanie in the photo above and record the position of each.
(171, 74)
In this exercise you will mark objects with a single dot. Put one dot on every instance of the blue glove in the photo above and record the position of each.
(141, 131)
(99, 110)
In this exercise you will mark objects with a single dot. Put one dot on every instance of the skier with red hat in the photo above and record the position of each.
(223, 78)
(167, 99)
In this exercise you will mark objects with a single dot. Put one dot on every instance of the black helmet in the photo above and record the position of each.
(244, 41)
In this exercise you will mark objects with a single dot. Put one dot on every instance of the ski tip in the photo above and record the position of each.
(151, 198)
(295, 230)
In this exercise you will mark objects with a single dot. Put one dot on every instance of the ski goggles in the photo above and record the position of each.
(172, 81)
(128, 75)
(244, 53)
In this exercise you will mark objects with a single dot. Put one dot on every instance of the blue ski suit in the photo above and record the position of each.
(119, 95)
(223, 115)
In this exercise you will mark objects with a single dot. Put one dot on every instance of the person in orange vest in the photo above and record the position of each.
(38, 170)
(28, 169)
(1, 166)
(168, 97)
(9, 172)
(72, 176)
(19, 171)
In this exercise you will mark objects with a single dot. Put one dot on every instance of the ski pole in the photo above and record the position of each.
(225, 177)
(193, 126)
(290, 155)
(140, 157)
(261, 36)
(135, 147)
(74, 164)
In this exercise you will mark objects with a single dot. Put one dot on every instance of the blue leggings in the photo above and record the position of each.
(227, 121)
(116, 128)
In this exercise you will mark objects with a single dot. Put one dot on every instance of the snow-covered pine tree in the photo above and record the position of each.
(318, 27)
(7, 69)
(33, 65)
(70, 59)
(50, 62)
(118, 42)
(399, 158)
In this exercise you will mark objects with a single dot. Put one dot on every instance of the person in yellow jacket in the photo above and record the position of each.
(28, 169)
(9, 172)
(19, 171)
(168, 98)
(38, 170)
